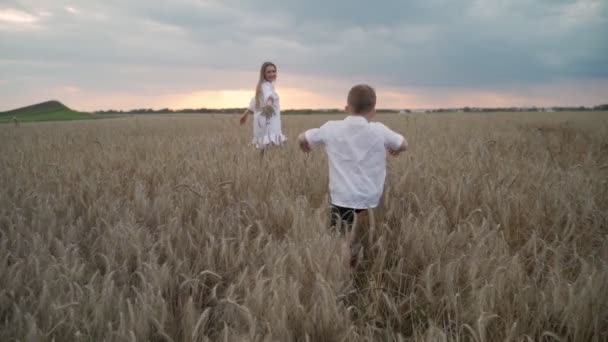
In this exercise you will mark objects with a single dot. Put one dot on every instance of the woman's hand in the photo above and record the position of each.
(243, 119)
(268, 111)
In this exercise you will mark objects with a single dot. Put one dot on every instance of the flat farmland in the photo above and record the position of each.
(493, 226)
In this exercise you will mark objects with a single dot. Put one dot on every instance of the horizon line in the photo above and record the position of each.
(332, 109)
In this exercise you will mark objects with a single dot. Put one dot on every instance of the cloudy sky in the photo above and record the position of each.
(126, 54)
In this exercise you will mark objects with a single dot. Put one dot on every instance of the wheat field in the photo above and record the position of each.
(492, 227)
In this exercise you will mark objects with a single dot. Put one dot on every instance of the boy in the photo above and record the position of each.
(356, 150)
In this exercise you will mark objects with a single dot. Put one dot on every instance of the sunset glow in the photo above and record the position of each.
(16, 16)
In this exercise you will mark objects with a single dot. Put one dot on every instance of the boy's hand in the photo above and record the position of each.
(393, 152)
(396, 152)
(304, 145)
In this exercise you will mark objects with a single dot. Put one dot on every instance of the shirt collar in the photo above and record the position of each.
(356, 118)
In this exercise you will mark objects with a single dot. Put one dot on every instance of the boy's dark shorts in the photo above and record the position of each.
(342, 219)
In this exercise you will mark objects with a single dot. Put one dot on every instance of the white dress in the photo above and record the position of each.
(267, 131)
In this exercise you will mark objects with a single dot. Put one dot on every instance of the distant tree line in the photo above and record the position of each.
(601, 107)
(168, 110)
(519, 109)
(338, 111)
(228, 111)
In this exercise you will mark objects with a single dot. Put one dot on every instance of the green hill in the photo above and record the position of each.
(45, 111)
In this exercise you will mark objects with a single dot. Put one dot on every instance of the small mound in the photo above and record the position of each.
(39, 108)
(45, 111)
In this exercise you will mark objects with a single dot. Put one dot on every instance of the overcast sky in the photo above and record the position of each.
(126, 54)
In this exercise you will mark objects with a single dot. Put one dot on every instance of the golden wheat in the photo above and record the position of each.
(492, 227)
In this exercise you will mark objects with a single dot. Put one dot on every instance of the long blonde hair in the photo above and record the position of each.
(258, 88)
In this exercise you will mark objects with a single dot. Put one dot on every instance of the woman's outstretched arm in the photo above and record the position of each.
(243, 118)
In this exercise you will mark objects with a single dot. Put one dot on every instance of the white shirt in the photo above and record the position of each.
(356, 151)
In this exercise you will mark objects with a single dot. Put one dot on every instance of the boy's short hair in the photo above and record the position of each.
(362, 98)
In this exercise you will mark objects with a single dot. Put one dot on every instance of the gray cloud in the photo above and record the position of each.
(131, 45)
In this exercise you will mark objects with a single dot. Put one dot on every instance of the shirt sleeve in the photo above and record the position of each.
(252, 104)
(267, 91)
(315, 136)
(392, 139)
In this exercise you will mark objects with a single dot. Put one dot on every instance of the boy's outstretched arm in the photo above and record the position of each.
(395, 143)
(311, 138)
(402, 147)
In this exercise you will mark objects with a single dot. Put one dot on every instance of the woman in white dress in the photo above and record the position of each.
(266, 110)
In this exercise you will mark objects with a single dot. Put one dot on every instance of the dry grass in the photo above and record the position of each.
(492, 227)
